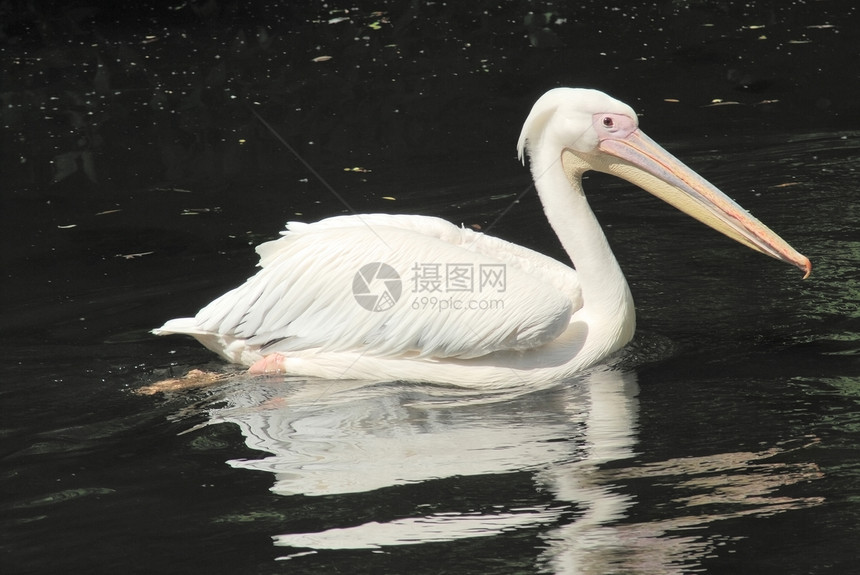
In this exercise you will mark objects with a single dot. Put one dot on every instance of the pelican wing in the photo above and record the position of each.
(329, 286)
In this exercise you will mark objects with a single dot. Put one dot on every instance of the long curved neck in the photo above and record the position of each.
(606, 296)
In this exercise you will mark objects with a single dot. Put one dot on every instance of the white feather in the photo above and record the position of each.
(304, 313)
(302, 298)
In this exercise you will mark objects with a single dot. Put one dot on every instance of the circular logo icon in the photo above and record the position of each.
(376, 286)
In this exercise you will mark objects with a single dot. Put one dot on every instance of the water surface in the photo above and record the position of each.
(136, 183)
(722, 438)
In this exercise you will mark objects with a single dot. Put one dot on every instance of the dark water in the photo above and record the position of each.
(723, 440)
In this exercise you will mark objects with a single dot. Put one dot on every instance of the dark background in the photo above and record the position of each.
(121, 120)
(136, 180)
(110, 98)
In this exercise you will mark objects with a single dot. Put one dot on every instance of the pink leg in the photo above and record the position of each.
(272, 363)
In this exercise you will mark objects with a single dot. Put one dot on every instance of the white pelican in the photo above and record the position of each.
(401, 297)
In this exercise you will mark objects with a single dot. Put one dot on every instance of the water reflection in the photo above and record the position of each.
(702, 491)
(347, 437)
(577, 441)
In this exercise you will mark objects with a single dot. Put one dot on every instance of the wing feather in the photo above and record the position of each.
(303, 297)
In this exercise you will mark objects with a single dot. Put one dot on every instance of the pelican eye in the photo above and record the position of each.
(607, 122)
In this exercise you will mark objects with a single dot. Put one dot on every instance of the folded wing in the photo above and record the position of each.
(329, 286)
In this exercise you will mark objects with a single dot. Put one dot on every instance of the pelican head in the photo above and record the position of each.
(589, 130)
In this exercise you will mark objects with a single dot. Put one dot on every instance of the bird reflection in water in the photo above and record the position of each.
(577, 440)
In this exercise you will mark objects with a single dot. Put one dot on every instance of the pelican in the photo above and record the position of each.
(415, 298)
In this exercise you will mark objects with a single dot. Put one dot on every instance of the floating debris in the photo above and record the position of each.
(133, 256)
(198, 211)
(192, 380)
(719, 102)
(180, 190)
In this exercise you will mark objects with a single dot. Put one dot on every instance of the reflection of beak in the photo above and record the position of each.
(643, 162)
